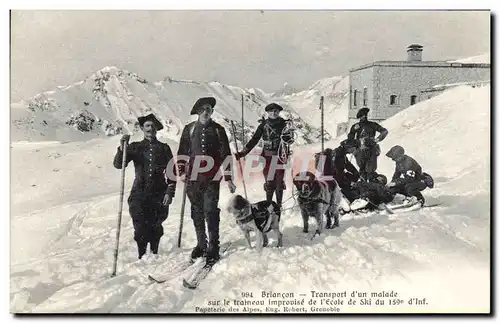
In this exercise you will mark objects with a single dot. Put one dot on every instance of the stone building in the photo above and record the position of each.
(387, 87)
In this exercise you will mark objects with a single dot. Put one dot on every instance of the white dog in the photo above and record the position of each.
(260, 217)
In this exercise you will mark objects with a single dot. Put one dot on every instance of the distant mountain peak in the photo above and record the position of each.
(108, 102)
(286, 89)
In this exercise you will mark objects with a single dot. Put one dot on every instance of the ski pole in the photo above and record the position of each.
(239, 161)
(242, 121)
(184, 193)
(120, 207)
(322, 124)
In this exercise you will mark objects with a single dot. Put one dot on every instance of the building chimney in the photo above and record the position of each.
(415, 52)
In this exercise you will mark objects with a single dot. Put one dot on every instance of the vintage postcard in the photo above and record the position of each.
(250, 162)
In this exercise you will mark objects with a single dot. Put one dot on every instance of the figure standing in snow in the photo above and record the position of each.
(408, 178)
(151, 193)
(271, 130)
(205, 141)
(364, 133)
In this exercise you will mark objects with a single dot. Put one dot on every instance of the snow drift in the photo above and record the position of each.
(64, 224)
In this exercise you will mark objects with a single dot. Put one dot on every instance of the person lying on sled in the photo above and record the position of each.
(372, 194)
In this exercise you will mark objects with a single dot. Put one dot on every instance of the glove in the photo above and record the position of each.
(181, 170)
(167, 199)
(124, 138)
(391, 184)
(231, 186)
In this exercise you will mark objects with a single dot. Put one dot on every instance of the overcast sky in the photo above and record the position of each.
(242, 48)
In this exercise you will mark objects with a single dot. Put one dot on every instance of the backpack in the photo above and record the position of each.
(428, 180)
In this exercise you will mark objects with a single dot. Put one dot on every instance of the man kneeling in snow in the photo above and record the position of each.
(408, 178)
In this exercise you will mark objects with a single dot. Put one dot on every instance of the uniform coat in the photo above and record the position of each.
(150, 185)
(211, 140)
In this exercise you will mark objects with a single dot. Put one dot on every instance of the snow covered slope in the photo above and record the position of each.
(109, 102)
(483, 58)
(64, 214)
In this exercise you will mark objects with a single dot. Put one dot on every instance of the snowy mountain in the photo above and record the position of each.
(287, 89)
(64, 214)
(335, 91)
(109, 101)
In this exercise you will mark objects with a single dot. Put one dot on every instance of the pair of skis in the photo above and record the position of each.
(194, 280)
(177, 270)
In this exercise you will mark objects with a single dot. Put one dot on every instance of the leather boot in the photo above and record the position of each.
(213, 219)
(141, 248)
(154, 244)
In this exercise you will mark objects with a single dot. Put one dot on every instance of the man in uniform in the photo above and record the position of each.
(343, 171)
(151, 193)
(364, 133)
(271, 131)
(205, 141)
(408, 178)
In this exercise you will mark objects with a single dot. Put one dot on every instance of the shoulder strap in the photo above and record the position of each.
(217, 131)
(191, 130)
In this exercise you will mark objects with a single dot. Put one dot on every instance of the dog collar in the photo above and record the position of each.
(246, 219)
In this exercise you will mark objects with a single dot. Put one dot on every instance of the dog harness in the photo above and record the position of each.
(312, 195)
(262, 215)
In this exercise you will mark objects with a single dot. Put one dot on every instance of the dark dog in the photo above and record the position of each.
(316, 199)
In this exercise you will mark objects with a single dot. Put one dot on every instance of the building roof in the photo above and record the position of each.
(441, 87)
(421, 64)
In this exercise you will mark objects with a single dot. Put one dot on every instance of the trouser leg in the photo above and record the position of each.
(371, 163)
(280, 185)
(195, 192)
(269, 183)
(414, 189)
(140, 223)
(160, 214)
(212, 212)
(361, 160)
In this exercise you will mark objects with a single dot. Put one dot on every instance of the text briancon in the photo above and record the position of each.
(277, 295)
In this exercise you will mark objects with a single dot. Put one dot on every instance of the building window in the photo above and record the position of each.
(365, 97)
(413, 99)
(355, 98)
(393, 100)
